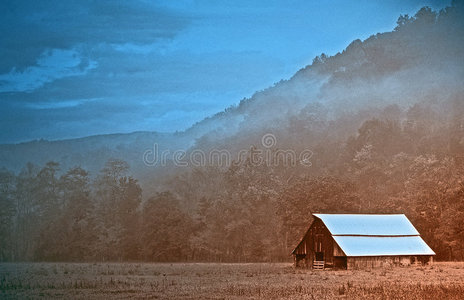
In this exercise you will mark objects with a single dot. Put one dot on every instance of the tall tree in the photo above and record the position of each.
(128, 216)
(118, 198)
(27, 219)
(77, 218)
(7, 213)
(166, 230)
(50, 209)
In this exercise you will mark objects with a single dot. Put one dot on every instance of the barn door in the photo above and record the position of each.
(318, 248)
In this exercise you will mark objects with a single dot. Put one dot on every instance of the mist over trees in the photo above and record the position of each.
(384, 120)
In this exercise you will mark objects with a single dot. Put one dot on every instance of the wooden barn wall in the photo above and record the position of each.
(317, 233)
(337, 250)
(367, 262)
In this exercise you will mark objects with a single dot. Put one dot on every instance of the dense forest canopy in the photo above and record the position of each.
(384, 121)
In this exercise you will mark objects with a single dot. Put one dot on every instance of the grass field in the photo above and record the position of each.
(225, 281)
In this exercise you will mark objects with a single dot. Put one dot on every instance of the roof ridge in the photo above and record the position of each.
(359, 214)
(376, 235)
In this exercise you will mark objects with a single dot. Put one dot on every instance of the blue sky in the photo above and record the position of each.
(77, 68)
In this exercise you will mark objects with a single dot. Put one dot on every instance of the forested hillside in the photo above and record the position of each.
(383, 122)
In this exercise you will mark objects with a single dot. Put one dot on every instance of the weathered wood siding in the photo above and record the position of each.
(317, 239)
(337, 250)
(367, 262)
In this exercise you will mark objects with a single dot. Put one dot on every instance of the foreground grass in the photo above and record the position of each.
(226, 281)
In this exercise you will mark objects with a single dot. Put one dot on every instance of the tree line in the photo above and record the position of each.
(244, 212)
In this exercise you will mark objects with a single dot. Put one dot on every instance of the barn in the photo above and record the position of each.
(358, 241)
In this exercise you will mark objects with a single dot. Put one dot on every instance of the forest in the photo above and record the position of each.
(405, 155)
(243, 212)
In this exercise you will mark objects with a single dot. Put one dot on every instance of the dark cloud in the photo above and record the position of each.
(30, 27)
(139, 76)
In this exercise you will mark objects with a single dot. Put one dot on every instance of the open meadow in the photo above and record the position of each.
(226, 281)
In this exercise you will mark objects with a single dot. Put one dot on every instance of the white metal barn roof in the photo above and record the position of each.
(375, 235)
(380, 225)
(383, 246)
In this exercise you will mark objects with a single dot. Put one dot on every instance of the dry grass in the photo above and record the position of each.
(226, 281)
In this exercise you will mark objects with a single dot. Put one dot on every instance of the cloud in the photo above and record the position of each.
(57, 104)
(51, 65)
(28, 28)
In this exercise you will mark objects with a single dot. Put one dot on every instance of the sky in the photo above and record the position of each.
(71, 69)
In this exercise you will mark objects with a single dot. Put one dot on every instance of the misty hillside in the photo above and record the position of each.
(421, 60)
